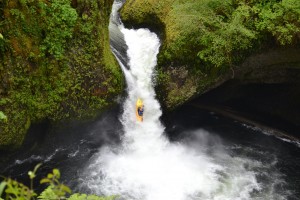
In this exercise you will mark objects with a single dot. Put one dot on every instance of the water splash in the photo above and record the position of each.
(147, 166)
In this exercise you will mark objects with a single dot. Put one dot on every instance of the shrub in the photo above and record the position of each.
(13, 190)
(60, 19)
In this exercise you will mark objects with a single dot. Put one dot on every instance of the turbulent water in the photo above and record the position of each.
(148, 166)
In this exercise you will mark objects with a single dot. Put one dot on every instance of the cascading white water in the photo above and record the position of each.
(147, 166)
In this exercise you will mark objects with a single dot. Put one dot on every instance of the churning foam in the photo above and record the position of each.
(147, 166)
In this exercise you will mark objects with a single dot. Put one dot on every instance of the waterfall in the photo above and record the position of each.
(147, 166)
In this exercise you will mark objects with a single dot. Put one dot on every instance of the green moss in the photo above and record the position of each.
(151, 14)
(13, 131)
(181, 84)
(54, 66)
(210, 37)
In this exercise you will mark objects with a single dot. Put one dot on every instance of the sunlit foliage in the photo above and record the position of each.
(222, 32)
(13, 190)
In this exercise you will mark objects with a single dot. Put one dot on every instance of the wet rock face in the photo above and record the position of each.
(274, 105)
(281, 65)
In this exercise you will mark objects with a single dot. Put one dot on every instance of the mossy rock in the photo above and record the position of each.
(70, 75)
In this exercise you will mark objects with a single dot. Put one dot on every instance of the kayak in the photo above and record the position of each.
(139, 106)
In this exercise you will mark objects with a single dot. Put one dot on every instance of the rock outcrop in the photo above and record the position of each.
(56, 64)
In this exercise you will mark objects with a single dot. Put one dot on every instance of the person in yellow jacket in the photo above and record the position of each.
(139, 110)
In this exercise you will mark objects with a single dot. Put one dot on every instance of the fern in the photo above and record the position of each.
(13, 190)
(78, 196)
(48, 194)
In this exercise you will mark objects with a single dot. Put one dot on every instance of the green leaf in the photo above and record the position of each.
(37, 167)
(47, 194)
(56, 173)
(65, 189)
(3, 116)
(50, 176)
(12, 190)
(2, 186)
(78, 196)
(31, 175)
(45, 180)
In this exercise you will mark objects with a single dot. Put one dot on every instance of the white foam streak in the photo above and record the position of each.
(144, 47)
(147, 166)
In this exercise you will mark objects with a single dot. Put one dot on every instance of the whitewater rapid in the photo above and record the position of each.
(146, 166)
